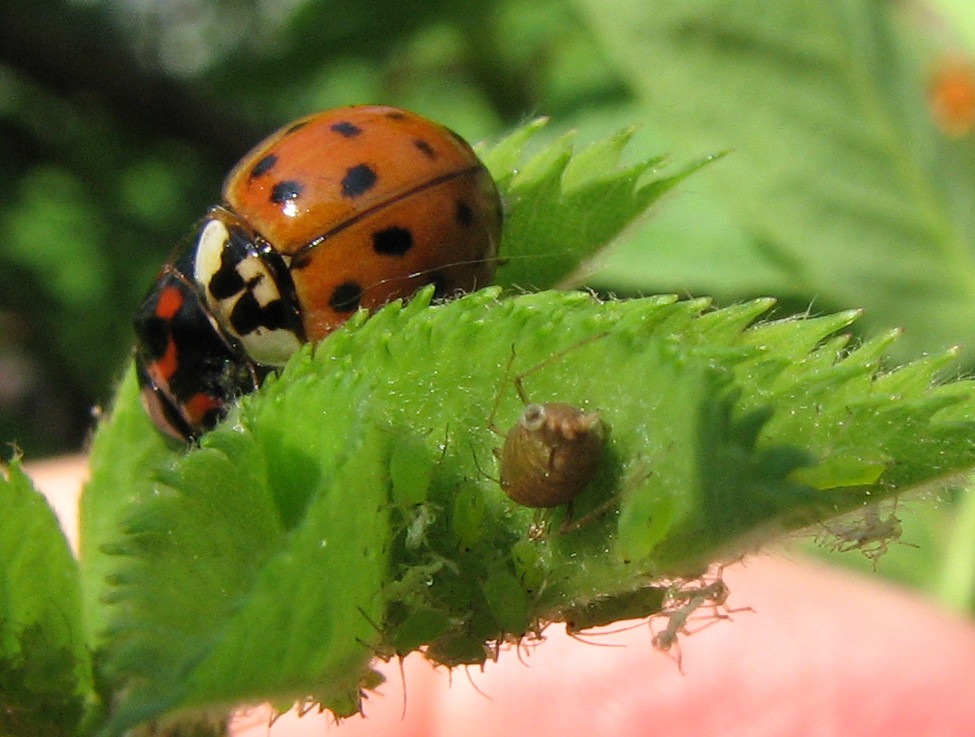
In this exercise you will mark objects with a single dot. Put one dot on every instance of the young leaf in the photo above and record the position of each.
(561, 208)
(350, 509)
(45, 668)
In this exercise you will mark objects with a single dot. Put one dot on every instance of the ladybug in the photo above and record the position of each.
(345, 209)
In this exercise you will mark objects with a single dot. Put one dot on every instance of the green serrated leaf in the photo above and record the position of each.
(350, 509)
(563, 208)
(46, 681)
(235, 607)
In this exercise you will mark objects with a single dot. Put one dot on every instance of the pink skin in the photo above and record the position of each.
(824, 653)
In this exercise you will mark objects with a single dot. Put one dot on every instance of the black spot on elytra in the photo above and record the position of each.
(300, 261)
(153, 335)
(393, 241)
(153, 330)
(346, 297)
(358, 180)
(346, 129)
(285, 191)
(263, 166)
(464, 214)
(425, 148)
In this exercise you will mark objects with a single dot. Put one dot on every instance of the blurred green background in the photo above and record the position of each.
(850, 182)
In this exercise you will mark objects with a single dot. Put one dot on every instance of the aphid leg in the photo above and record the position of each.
(870, 533)
(499, 394)
(571, 525)
(519, 379)
(682, 602)
(497, 454)
(667, 642)
(637, 476)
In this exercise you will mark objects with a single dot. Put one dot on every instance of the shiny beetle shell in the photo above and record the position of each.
(349, 208)
(368, 204)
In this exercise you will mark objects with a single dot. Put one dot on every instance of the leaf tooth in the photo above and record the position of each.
(502, 158)
(657, 187)
(802, 333)
(872, 351)
(915, 377)
(599, 159)
(549, 163)
(733, 320)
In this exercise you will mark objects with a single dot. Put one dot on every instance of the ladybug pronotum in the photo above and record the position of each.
(346, 209)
